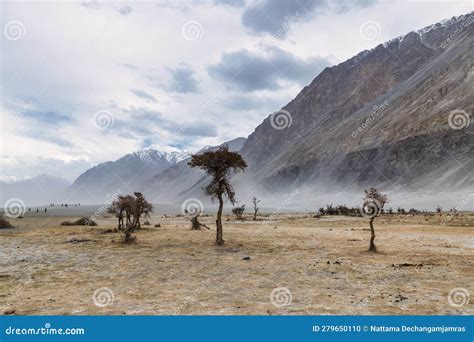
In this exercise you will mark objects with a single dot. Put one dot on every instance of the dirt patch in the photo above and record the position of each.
(322, 263)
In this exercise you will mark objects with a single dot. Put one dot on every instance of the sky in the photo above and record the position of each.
(83, 82)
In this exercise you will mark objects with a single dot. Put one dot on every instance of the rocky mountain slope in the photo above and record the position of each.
(380, 118)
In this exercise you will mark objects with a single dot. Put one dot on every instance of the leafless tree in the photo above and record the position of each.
(194, 218)
(255, 202)
(371, 208)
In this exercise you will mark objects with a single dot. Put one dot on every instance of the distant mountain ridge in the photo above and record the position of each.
(126, 174)
(39, 190)
(137, 171)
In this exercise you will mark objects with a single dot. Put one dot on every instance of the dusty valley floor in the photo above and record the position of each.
(294, 265)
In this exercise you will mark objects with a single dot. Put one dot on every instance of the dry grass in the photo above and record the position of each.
(171, 269)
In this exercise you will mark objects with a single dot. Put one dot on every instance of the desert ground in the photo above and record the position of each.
(313, 266)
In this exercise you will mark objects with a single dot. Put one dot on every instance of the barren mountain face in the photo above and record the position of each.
(380, 118)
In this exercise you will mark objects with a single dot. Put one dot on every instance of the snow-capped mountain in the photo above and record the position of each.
(151, 155)
(124, 175)
(170, 184)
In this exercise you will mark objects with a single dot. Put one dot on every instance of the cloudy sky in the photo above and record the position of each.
(88, 81)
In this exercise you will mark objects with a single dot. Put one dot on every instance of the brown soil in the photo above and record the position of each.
(50, 269)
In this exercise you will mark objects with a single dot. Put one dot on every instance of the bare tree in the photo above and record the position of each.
(439, 209)
(371, 208)
(219, 165)
(194, 218)
(255, 202)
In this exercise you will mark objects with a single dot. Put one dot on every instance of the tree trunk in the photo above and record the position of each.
(136, 222)
(372, 247)
(195, 223)
(255, 215)
(219, 239)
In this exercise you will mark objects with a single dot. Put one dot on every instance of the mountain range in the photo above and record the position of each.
(396, 117)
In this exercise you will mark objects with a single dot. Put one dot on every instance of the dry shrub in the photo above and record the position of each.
(4, 223)
(83, 221)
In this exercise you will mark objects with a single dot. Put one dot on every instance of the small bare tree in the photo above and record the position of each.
(371, 208)
(439, 209)
(255, 202)
(193, 216)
